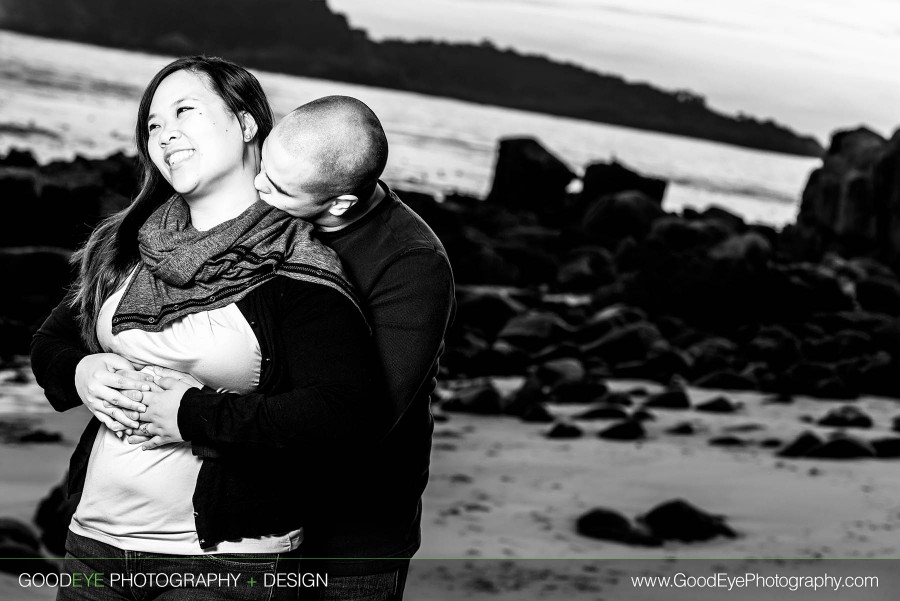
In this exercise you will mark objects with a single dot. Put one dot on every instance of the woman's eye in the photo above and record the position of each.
(181, 109)
(152, 126)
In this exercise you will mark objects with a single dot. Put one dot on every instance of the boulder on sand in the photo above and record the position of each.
(528, 176)
(601, 179)
(607, 524)
(682, 521)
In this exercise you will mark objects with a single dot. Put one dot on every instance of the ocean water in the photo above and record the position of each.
(59, 99)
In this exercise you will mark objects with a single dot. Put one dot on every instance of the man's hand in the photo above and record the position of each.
(114, 398)
(159, 423)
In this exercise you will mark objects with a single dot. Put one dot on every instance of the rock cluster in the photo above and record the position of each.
(676, 520)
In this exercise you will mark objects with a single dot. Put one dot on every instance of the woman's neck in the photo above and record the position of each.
(229, 201)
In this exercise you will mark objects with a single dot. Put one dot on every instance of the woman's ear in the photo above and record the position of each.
(248, 126)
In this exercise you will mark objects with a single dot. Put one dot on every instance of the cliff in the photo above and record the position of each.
(307, 38)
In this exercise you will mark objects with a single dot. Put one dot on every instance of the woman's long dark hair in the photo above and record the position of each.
(111, 252)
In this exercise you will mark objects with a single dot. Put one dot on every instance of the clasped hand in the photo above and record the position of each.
(142, 405)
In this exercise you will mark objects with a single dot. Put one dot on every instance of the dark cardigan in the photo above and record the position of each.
(320, 394)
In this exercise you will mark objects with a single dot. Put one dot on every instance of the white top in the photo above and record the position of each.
(141, 500)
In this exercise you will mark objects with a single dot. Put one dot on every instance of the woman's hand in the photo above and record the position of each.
(165, 372)
(159, 424)
(110, 388)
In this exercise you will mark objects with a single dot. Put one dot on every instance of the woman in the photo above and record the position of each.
(199, 276)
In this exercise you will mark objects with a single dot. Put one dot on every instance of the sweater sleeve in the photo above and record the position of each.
(334, 399)
(56, 350)
(411, 306)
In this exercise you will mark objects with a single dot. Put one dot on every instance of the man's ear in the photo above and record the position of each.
(248, 126)
(342, 204)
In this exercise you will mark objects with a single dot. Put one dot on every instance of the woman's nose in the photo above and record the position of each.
(168, 135)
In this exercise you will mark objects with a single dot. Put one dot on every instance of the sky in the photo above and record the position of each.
(814, 65)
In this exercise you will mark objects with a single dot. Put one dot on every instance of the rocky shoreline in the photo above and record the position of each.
(562, 291)
(603, 278)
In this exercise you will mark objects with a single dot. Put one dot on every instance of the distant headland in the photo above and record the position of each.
(306, 38)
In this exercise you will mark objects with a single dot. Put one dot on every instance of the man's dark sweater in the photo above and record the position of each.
(404, 281)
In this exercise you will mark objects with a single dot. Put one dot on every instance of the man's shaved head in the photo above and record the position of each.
(340, 140)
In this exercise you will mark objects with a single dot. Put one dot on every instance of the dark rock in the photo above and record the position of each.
(802, 445)
(537, 414)
(661, 365)
(840, 346)
(770, 443)
(602, 179)
(40, 436)
(727, 441)
(534, 330)
(26, 559)
(642, 392)
(563, 350)
(501, 359)
(616, 398)
(578, 392)
(879, 295)
(713, 354)
(606, 524)
(833, 388)
(674, 398)
(782, 398)
(610, 219)
(587, 269)
(642, 415)
(564, 430)
(603, 411)
(751, 427)
(845, 447)
(54, 513)
(896, 424)
(13, 531)
(682, 429)
(625, 430)
(681, 521)
(531, 393)
(886, 448)
(846, 417)
(41, 275)
(486, 310)
(560, 372)
(676, 234)
(839, 210)
(731, 221)
(749, 251)
(479, 400)
(720, 404)
(774, 345)
(633, 342)
(606, 321)
(18, 158)
(816, 379)
(726, 380)
(527, 176)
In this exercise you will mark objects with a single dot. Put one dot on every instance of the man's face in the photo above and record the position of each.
(281, 182)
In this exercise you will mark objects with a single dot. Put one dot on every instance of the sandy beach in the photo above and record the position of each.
(502, 502)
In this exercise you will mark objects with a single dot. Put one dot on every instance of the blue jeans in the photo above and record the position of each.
(138, 576)
(370, 587)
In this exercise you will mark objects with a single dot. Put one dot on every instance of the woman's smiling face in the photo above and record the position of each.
(195, 141)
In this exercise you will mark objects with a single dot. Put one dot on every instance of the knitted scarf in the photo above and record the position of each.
(185, 271)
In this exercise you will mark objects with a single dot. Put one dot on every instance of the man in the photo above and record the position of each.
(322, 163)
